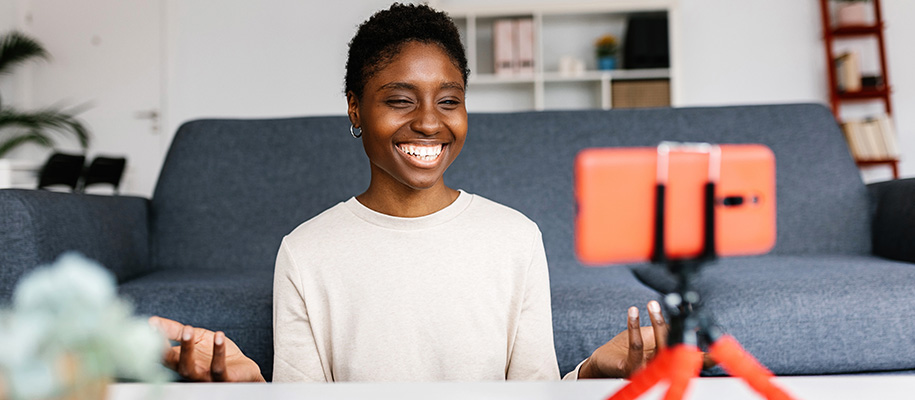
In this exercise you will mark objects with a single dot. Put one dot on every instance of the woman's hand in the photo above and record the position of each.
(632, 348)
(204, 355)
(629, 350)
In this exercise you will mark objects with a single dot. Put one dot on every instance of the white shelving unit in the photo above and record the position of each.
(559, 29)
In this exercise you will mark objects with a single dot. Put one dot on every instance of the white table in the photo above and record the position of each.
(808, 388)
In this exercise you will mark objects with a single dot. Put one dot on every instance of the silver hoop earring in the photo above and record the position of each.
(352, 132)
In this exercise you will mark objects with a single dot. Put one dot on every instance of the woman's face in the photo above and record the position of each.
(412, 117)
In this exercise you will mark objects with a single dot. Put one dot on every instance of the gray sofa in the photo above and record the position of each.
(835, 295)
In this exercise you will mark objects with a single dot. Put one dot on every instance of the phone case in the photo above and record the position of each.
(615, 194)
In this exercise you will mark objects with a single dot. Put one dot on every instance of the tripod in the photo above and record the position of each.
(690, 325)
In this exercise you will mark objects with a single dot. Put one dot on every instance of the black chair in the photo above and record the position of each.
(61, 169)
(107, 170)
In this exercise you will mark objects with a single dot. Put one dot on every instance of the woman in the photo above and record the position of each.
(410, 280)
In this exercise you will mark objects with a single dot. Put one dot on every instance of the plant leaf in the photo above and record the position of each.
(38, 122)
(36, 137)
(17, 48)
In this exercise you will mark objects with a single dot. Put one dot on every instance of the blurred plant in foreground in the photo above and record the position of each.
(67, 335)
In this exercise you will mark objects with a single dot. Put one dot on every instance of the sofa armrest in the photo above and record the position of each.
(893, 229)
(36, 226)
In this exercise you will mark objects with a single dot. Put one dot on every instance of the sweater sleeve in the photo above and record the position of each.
(573, 374)
(296, 357)
(533, 356)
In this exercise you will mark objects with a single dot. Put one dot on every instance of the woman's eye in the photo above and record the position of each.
(399, 102)
(450, 102)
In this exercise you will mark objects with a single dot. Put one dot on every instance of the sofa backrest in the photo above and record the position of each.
(230, 189)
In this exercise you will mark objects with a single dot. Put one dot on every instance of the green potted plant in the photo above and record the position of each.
(605, 48)
(20, 127)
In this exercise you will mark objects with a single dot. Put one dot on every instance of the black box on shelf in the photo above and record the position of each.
(646, 44)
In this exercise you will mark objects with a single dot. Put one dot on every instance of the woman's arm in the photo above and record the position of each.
(533, 355)
(295, 350)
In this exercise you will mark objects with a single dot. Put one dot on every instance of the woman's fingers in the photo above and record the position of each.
(218, 363)
(155, 323)
(636, 347)
(658, 325)
(171, 329)
(186, 367)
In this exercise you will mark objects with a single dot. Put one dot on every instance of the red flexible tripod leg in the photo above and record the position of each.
(685, 365)
(677, 364)
(645, 379)
(737, 362)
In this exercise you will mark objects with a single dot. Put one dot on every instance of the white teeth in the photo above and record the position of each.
(423, 152)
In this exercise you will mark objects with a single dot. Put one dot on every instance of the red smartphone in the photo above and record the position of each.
(615, 190)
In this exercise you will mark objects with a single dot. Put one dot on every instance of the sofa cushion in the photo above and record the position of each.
(811, 314)
(238, 303)
(38, 226)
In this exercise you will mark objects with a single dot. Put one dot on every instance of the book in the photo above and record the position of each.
(852, 136)
(524, 41)
(874, 143)
(888, 135)
(848, 72)
(873, 138)
(503, 35)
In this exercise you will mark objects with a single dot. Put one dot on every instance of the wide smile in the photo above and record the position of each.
(421, 154)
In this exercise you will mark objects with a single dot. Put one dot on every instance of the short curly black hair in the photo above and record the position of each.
(381, 37)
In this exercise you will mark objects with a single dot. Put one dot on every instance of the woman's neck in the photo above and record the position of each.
(402, 201)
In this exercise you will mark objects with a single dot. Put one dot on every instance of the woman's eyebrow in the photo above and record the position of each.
(397, 85)
(410, 86)
(452, 85)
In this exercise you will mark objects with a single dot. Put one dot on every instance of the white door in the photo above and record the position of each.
(108, 54)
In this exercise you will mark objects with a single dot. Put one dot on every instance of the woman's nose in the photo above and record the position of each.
(427, 121)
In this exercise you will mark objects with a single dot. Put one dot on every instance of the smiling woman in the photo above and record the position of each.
(414, 123)
(410, 280)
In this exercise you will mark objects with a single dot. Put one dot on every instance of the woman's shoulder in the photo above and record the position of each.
(500, 215)
(322, 224)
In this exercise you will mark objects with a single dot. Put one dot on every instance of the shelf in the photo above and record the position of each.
(613, 75)
(865, 94)
(879, 93)
(893, 163)
(493, 79)
(586, 76)
(635, 74)
(561, 30)
(857, 30)
(878, 161)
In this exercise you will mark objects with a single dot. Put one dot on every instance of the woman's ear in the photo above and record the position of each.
(352, 108)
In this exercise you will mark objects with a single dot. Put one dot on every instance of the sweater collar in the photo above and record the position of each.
(400, 223)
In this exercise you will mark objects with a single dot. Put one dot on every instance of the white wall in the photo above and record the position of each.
(238, 58)
(751, 52)
(271, 58)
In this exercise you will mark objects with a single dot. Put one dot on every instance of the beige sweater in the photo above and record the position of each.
(460, 295)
